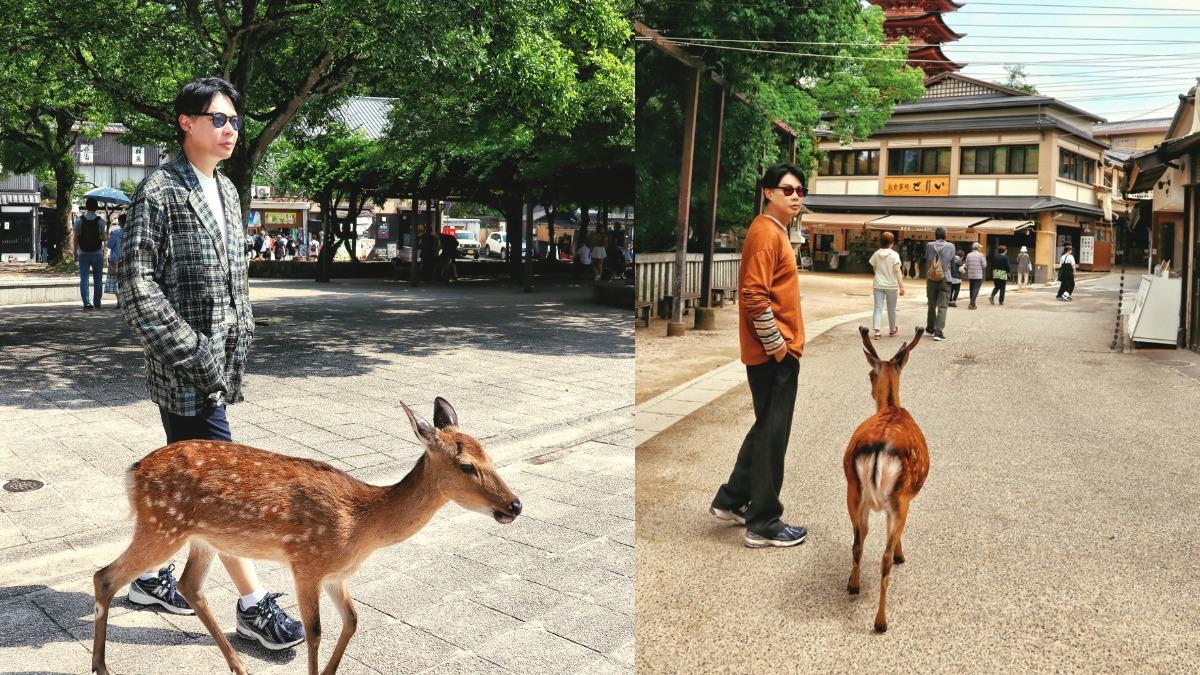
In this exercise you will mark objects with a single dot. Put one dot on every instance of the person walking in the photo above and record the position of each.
(583, 254)
(1000, 270)
(975, 265)
(888, 283)
(1024, 267)
(956, 269)
(1066, 274)
(771, 339)
(186, 298)
(89, 248)
(114, 254)
(914, 256)
(598, 255)
(939, 257)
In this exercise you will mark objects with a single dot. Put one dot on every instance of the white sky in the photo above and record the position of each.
(1113, 58)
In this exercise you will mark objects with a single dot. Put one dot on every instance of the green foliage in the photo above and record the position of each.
(128, 186)
(1017, 78)
(851, 97)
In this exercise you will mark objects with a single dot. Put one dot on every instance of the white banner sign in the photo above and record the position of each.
(1087, 250)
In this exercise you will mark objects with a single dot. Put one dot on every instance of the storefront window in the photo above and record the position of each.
(1000, 159)
(919, 161)
(850, 163)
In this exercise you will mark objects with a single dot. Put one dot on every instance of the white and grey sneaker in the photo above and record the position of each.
(737, 515)
(159, 591)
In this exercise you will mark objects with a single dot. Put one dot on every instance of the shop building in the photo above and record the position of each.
(989, 163)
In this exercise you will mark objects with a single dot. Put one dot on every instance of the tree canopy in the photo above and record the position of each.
(827, 66)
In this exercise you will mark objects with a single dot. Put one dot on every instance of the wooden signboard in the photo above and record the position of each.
(916, 186)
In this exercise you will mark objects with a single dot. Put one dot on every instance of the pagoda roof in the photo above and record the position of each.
(931, 59)
(930, 28)
(894, 8)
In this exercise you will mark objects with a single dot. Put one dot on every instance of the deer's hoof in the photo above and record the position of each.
(898, 559)
(853, 590)
(880, 627)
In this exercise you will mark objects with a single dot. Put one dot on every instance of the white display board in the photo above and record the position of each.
(1155, 316)
(1087, 250)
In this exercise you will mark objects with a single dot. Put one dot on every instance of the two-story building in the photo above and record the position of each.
(988, 163)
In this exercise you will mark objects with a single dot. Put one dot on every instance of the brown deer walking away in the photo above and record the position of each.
(316, 519)
(886, 464)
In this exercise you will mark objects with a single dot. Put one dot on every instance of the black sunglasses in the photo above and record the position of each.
(787, 189)
(219, 119)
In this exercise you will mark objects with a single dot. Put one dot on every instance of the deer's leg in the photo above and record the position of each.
(199, 561)
(897, 514)
(859, 523)
(339, 592)
(308, 595)
(147, 550)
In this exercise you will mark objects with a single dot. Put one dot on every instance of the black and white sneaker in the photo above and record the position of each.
(938, 336)
(790, 535)
(737, 515)
(159, 591)
(269, 624)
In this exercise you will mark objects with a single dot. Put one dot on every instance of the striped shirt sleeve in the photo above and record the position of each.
(756, 300)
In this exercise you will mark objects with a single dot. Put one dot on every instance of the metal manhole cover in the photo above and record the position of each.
(1175, 364)
(23, 485)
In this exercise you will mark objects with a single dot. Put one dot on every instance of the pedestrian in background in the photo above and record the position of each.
(914, 257)
(1000, 270)
(1024, 267)
(939, 259)
(888, 283)
(114, 254)
(1066, 274)
(956, 283)
(975, 264)
(89, 247)
(599, 253)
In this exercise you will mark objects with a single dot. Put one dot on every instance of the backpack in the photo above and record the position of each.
(935, 270)
(89, 234)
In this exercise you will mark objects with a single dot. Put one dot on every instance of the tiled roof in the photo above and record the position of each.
(1154, 124)
(369, 113)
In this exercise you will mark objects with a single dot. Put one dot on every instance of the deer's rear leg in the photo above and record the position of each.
(308, 596)
(897, 514)
(859, 521)
(339, 592)
(198, 563)
(147, 550)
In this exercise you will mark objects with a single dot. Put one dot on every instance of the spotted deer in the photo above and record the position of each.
(886, 464)
(318, 520)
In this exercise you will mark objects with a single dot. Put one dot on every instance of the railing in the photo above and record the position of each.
(654, 273)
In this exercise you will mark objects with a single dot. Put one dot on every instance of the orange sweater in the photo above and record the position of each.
(769, 289)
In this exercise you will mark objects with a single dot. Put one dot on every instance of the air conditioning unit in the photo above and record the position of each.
(262, 191)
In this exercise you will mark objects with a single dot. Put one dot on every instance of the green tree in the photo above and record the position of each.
(47, 106)
(1017, 78)
(844, 79)
(338, 170)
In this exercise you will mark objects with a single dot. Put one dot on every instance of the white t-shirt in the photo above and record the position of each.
(885, 261)
(585, 255)
(1067, 259)
(213, 194)
(598, 253)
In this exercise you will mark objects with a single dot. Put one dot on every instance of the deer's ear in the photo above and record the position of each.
(443, 414)
(420, 427)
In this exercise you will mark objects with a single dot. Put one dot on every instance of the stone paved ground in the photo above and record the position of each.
(544, 380)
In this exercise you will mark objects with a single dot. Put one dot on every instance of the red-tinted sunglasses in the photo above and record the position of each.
(788, 190)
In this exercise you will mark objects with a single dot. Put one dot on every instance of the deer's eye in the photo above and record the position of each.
(468, 469)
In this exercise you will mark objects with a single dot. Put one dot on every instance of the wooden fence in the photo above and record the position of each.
(654, 273)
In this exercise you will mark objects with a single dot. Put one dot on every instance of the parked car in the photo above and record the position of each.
(468, 246)
(496, 245)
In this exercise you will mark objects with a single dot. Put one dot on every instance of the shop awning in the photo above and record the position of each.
(1002, 226)
(23, 198)
(839, 219)
(916, 222)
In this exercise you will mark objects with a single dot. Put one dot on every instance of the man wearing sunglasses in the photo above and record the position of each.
(771, 335)
(185, 295)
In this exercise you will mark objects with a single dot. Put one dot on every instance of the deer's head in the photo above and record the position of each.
(464, 474)
(885, 375)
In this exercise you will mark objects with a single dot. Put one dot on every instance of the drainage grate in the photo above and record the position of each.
(23, 485)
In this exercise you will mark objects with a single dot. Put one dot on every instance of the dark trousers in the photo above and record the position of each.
(938, 295)
(1066, 283)
(975, 284)
(757, 475)
(91, 265)
(954, 289)
(998, 286)
(210, 425)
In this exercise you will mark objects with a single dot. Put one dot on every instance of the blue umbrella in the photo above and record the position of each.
(108, 195)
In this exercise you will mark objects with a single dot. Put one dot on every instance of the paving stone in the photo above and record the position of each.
(590, 625)
(530, 649)
(462, 622)
(400, 649)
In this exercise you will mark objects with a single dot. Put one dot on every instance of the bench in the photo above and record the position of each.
(690, 300)
(641, 313)
(720, 294)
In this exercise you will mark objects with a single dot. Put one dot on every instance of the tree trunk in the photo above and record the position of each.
(60, 225)
(513, 234)
(531, 246)
(238, 170)
(585, 220)
(325, 258)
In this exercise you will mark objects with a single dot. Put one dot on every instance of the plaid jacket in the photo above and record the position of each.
(184, 295)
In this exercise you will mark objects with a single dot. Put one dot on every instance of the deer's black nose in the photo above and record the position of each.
(515, 507)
